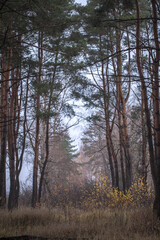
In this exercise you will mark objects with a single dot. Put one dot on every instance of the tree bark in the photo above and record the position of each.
(144, 167)
(45, 162)
(11, 141)
(35, 167)
(122, 109)
(156, 110)
(4, 126)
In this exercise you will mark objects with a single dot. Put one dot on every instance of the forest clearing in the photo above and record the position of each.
(80, 119)
(98, 214)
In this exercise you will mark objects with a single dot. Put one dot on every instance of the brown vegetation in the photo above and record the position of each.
(74, 223)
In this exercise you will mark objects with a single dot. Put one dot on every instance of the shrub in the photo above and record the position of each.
(104, 195)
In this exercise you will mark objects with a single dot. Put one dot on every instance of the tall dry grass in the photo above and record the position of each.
(109, 224)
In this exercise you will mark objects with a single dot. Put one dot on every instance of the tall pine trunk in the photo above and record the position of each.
(4, 125)
(156, 110)
(122, 110)
(154, 155)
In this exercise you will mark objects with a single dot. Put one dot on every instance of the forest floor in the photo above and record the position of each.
(109, 224)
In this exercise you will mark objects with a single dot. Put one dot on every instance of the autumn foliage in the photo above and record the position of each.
(103, 195)
(100, 194)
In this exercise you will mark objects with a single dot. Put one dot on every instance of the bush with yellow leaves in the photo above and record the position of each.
(104, 195)
(100, 194)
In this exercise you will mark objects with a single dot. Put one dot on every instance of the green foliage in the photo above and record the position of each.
(45, 114)
(67, 144)
(94, 118)
(68, 110)
(136, 112)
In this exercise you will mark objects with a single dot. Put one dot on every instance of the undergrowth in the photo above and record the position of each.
(101, 194)
(102, 213)
(126, 224)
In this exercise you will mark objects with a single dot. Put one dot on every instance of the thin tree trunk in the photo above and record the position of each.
(111, 153)
(19, 156)
(35, 167)
(3, 164)
(156, 110)
(47, 132)
(144, 167)
(108, 139)
(45, 162)
(121, 152)
(11, 143)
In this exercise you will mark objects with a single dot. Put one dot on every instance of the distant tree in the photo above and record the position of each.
(94, 147)
(61, 165)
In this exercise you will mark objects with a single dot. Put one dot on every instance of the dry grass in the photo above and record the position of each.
(106, 224)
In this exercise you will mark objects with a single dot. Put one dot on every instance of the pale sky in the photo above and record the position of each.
(83, 2)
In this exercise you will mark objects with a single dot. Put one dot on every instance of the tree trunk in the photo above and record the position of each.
(154, 163)
(11, 142)
(144, 167)
(3, 126)
(122, 109)
(3, 164)
(45, 162)
(35, 167)
(106, 101)
(19, 156)
(156, 110)
(121, 152)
